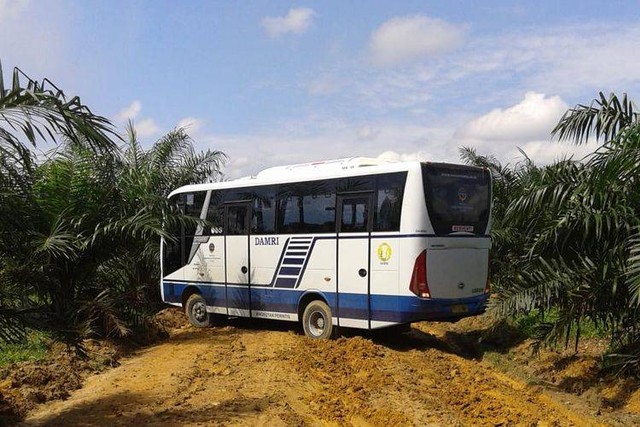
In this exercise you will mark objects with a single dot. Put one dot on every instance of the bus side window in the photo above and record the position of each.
(237, 220)
(215, 215)
(355, 215)
(390, 190)
(193, 203)
(264, 211)
(307, 207)
(172, 250)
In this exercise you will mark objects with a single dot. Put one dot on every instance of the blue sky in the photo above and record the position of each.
(273, 82)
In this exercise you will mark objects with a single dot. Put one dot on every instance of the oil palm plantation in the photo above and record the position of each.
(80, 229)
(569, 230)
(96, 230)
(30, 113)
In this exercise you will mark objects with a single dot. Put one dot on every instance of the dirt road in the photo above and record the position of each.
(247, 374)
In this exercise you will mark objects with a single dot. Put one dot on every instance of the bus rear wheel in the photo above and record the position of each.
(316, 320)
(196, 309)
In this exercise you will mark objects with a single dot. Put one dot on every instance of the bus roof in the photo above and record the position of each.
(352, 166)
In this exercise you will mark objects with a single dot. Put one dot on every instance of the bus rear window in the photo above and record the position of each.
(458, 198)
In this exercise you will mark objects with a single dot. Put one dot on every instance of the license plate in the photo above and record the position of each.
(459, 308)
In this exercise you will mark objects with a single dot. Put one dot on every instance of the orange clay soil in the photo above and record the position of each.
(266, 373)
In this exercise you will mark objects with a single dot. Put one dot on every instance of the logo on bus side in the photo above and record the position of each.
(267, 241)
(384, 252)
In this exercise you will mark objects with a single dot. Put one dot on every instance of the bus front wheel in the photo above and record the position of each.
(196, 309)
(316, 320)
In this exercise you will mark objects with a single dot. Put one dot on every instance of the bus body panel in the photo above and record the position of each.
(213, 255)
(457, 267)
(385, 256)
(415, 218)
(266, 251)
(318, 270)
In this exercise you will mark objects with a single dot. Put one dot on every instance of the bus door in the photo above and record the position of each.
(237, 265)
(354, 222)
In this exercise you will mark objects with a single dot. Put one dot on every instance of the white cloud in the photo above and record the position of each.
(146, 128)
(532, 118)
(297, 21)
(526, 125)
(410, 38)
(564, 60)
(130, 112)
(545, 152)
(276, 148)
(405, 157)
(601, 56)
(392, 90)
(191, 124)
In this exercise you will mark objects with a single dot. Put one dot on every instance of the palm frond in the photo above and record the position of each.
(604, 118)
(40, 110)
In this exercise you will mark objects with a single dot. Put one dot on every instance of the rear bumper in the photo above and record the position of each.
(414, 309)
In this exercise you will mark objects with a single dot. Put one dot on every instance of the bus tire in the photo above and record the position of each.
(316, 320)
(196, 309)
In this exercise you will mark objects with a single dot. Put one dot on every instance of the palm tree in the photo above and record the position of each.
(32, 111)
(144, 179)
(95, 230)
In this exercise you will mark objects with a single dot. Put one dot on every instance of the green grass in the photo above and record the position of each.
(35, 348)
(526, 325)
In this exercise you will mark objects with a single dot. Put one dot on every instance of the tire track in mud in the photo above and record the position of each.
(239, 375)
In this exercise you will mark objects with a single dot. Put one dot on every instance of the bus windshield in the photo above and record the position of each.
(458, 198)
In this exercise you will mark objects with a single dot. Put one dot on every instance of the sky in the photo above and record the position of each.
(277, 82)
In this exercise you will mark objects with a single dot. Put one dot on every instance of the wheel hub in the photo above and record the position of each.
(316, 323)
(199, 311)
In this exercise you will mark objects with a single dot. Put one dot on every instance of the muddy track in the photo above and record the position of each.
(265, 374)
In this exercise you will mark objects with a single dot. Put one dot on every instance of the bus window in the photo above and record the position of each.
(355, 214)
(390, 190)
(356, 184)
(263, 212)
(172, 248)
(215, 214)
(458, 198)
(237, 220)
(192, 204)
(307, 207)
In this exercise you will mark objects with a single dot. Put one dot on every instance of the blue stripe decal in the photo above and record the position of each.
(290, 261)
(286, 282)
(388, 308)
(290, 271)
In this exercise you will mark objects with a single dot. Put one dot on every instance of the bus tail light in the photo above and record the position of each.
(487, 286)
(418, 283)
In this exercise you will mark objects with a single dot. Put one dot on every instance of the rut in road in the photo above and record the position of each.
(239, 375)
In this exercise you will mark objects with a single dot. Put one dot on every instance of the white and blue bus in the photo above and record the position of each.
(358, 243)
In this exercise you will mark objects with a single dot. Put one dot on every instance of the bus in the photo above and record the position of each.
(358, 243)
